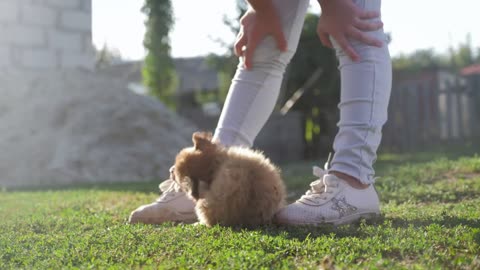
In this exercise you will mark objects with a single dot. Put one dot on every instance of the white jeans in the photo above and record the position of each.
(365, 93)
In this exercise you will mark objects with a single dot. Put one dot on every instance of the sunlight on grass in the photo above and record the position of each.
(431, 210)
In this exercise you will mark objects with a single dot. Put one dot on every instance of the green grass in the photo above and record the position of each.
(431, 220)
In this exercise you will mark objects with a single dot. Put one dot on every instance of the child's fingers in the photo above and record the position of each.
(239, 44)
(325, 39)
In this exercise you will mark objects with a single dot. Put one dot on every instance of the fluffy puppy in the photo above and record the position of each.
(230, 185)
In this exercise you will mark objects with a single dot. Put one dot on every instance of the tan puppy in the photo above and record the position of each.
(230, 186)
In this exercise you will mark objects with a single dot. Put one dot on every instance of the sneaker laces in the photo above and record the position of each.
(322, 188)
(169, 188)
(317, 187)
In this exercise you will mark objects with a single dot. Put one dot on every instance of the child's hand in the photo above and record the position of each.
(254, 28)
(342, 19)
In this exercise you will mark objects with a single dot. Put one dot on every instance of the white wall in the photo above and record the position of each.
(45, 34)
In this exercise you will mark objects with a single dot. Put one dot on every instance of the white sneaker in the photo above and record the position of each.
(330, 200)
(172, 205)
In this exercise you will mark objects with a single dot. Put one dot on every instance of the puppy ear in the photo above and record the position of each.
(202, 140)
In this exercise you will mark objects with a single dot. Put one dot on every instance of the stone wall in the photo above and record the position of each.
(46, 34)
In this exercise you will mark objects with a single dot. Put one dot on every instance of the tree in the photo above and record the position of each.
(455, 59)
(464, 55)
(158, 71)
(418, 60)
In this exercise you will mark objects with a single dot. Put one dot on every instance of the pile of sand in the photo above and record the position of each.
(73, 126)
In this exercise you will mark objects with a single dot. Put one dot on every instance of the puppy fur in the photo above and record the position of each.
(230, 185)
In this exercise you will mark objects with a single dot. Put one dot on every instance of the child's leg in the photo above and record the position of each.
(253, 93)
(365, 93)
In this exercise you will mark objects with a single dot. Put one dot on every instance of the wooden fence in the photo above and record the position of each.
(421, 116)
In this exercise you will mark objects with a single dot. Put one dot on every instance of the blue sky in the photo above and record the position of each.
(414, 24)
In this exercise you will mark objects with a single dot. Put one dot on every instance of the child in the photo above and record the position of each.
(269, 35)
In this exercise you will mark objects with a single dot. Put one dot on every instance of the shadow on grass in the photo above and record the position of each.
(301, 233)
(444, 221)
(438, 197)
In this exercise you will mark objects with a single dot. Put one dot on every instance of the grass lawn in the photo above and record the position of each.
(431, 220)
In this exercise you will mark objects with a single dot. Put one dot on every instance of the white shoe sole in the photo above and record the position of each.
(337, 222)
(162, 216)
(356, 217)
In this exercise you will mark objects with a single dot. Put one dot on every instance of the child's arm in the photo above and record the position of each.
(257, 23)
(342, 19)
